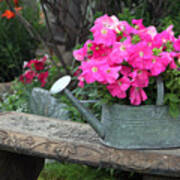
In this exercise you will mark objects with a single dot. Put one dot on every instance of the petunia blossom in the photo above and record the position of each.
(119, 87)
(123, 57)
(99, 71)
(140, 78)
(103, 35)
(137, 95)
(176, 44)
(120, 52)
(91, 71)
(138, 24)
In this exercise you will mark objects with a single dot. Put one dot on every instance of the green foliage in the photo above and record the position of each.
(18, 100)
(58, 171)
(126, 15)
(172, 18)
(97, 14)
(16, 45)
(172, 96)
(156, 12)
(67, 171)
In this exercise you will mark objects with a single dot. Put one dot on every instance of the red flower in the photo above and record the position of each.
(22, 78)
(39, 65)
(8, 14)
(27, 77)
(77, 72)
(29, 64)
(16, 3)
(43, 77)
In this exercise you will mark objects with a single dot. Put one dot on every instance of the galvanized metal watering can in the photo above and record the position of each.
(130, 127)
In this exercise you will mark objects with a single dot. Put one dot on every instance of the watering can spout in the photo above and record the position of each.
(97, 126)
(60, 85)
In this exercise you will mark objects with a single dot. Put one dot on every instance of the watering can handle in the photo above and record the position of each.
(160, 91)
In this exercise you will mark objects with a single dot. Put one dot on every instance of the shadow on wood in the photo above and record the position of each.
(19, 167)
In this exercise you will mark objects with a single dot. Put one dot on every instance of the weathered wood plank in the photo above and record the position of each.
(74, 142)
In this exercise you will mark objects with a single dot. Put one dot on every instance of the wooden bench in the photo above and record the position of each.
(25, 140)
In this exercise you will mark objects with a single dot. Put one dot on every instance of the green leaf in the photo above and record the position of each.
(174, 109)
(135, 39)
(172, 98)
(157, 51)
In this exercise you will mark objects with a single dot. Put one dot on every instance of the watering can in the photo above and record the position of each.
(130, 127)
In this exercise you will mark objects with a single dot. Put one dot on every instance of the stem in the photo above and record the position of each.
(32, 31)
(52, 38)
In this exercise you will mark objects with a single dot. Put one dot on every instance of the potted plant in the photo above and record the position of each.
(131, 63)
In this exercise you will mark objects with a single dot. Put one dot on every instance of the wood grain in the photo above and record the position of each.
(75, 142)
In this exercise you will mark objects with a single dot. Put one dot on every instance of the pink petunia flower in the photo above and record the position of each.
(137, 95)
(122, 56)
(99, 71)
(138, 24)
(158, 66)
(91, 71)
(140, 78)
(81, 81)
(99, 51)
(162, 38)
(147, 34)
(140, 55)
(120, 52)
(125, 70)
(79, 54)
(103, 35)
(125, 28)
(110, 73)
(105, 20)
(176, 44)
(119, 87)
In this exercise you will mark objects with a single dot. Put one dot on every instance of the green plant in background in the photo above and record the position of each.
(68, 171)
(18, 100)
(172, 97)
(58, 171)
(36, 72)
(17, 45)
(154, 12)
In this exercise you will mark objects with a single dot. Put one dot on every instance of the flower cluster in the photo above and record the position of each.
(35, 69)
(10, 14)
(123, 57)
